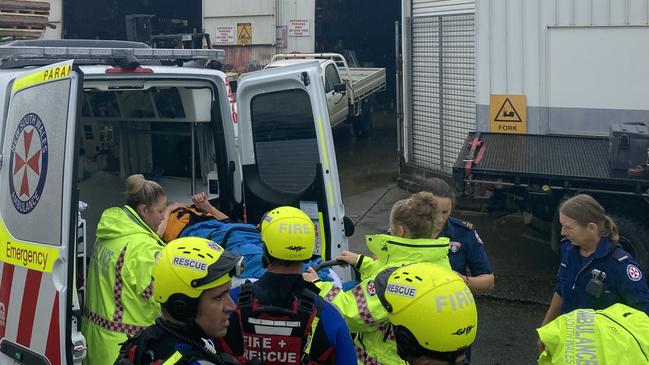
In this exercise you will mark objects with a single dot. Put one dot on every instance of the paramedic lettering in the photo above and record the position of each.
(28, 258)
(56, 72)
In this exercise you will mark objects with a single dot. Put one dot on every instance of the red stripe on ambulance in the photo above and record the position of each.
(28, 307)
(5, 295)
(53, 349)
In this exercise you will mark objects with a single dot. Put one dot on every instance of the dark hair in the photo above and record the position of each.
(584, 209)
(416, 214)
(142, 191)
(440, 189)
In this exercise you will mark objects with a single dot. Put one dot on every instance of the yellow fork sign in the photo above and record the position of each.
(244, 34)
(508, 113)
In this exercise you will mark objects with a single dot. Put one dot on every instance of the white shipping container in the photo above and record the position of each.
(581, 63)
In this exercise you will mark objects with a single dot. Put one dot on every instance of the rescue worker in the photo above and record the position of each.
(280, 319)
(411, 224)
(119, 296)
(432, 312)
(466, 250)
(594, 271)
(616, 335)
(192, 280)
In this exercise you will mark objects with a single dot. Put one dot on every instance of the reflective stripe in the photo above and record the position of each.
(119, 327)
(119, 285)
(331, 294)
(309, 340)
(57, 71)
(148, 291)
(173, 359)
(365, 358)
(361, 305)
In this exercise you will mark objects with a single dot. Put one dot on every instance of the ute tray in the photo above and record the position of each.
(556, 160)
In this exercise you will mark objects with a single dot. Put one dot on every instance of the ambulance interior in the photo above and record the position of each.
(161, 131)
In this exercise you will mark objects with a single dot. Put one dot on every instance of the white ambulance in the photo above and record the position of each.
(76, 121)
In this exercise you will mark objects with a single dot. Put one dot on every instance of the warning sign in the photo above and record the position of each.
(224, 35)
(299, 28)
(244, 34)
(508, 113)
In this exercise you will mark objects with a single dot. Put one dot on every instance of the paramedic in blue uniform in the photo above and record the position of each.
(466, 248)
(594, 271)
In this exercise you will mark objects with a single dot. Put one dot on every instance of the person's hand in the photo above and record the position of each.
(162, 227)
(200, 200)
(310, 275)
(540, 345)
(349, 257)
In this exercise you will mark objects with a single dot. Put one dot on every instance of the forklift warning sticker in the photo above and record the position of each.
(28, 163)
(34, 257)
(508, 113)
(51, 73)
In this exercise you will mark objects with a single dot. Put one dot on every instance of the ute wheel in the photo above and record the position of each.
(633, 238)
(363, 123)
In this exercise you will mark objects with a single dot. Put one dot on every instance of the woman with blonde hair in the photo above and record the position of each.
(119, 288)
(412, 221)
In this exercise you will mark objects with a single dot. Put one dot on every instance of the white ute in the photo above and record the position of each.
(349, 90)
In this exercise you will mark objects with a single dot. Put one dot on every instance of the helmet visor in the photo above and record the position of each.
(229, 264)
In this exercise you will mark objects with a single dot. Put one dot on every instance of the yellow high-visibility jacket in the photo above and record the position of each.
(616, 335)
(360, 306)
(119, 298)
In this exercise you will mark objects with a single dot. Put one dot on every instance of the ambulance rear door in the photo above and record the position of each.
(287, 151)
(37, 219)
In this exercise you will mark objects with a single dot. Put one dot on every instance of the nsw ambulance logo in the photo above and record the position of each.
(28, 163)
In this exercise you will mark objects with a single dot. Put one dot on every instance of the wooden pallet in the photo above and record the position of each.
(25, 7)
(23, 18)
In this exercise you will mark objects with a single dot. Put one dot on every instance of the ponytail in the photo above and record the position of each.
(610, 228)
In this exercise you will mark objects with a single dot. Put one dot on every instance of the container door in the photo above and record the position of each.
(287, 150)
(37, 219)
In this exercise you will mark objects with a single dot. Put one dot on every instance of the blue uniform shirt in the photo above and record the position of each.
(624, 282)
(467, 249)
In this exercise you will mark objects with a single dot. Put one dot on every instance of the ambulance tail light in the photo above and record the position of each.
(129, 70)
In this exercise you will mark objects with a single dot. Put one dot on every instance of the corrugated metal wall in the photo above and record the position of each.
(270, 22)
(287, 10)
(439, 104)
(523, 46)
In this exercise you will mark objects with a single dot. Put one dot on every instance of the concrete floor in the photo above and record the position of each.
(522, 260)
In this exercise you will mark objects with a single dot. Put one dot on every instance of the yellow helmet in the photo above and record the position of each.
(430, 307)
(185, 268)
(288, 234)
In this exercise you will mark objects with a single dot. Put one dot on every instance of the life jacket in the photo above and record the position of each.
(139, 350)
(276, 335)
(182, 217)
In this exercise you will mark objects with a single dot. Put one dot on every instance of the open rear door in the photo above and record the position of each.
(37, 216)
(287, 150)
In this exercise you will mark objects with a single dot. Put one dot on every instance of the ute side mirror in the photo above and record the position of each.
(340, 88)
(349, 226)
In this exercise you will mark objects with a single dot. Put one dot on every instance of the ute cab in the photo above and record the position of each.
(74, 125)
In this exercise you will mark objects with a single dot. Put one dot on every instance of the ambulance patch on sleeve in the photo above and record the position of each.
(455, 246)
(633, 272)
(371, 288)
